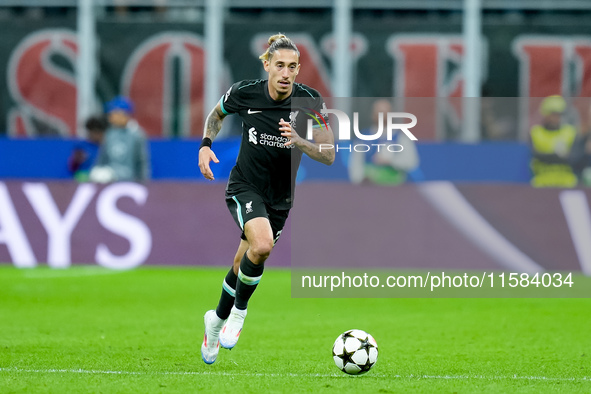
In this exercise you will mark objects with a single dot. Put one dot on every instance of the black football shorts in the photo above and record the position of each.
(248, 205)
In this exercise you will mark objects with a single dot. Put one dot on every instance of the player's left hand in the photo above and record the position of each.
(286, 131)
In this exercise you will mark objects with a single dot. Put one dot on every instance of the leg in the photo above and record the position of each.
(250, 270)
(242, 248)
(229, 284)
(261, 226)
(260, 240)
(214, 320)
(262, 233)
(250, 207)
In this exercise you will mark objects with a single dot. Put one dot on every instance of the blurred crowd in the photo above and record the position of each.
(115, 148)
(559, 139)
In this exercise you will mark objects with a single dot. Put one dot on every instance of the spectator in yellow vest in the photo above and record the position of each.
(553, 146)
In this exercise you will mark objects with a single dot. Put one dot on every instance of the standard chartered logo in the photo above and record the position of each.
(252, 135)
(276, 141)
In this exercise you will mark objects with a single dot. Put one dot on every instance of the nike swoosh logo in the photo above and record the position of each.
(250, 111)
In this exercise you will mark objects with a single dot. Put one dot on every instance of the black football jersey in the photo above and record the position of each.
(264, 164)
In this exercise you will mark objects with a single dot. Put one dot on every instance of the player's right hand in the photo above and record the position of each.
(205, 156)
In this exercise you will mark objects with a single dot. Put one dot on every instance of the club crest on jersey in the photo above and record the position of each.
(249, 207)
(292, 118)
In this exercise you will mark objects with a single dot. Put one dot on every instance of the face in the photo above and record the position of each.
(118, 118)
(283, 68)
(553, 120)
(95, 136)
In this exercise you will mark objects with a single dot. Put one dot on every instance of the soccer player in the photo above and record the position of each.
(259, 193)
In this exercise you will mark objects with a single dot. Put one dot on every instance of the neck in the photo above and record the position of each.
(275, 95)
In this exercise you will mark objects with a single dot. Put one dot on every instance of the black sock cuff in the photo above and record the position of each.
(250, 273)
(249, 268)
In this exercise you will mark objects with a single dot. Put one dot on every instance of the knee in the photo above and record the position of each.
(262, 248)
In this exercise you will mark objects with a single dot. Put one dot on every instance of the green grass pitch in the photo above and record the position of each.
(89, 330)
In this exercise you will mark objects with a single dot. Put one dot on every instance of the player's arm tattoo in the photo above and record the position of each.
(213, 123)
(322, 149)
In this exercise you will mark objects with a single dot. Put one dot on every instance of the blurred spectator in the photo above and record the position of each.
(585, 166)
(380, 166)
(85, 152)
(582, 146)
(557, 148)
(123, 156)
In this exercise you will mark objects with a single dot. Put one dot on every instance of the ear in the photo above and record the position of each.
(266, 65)
(298, 68)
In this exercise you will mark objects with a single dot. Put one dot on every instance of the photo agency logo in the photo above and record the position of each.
(384, 138)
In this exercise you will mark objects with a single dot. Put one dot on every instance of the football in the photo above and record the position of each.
(355, 352)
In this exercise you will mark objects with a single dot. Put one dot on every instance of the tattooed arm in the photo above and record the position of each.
(213, 124)
(321, 150)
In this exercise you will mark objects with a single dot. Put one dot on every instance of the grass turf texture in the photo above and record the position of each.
(87, 329)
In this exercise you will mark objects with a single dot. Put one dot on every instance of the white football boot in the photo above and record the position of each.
(211, 343)
(231, 330)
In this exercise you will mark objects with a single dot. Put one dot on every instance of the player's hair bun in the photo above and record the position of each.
(276, 37)
(278, 41)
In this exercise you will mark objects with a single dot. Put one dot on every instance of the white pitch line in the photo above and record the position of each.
(296, 375)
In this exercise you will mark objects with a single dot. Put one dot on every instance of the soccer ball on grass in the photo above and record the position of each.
(355, 352)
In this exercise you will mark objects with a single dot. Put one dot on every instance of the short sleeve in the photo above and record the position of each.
(310, 110)
(320, 107)
(230, 102)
